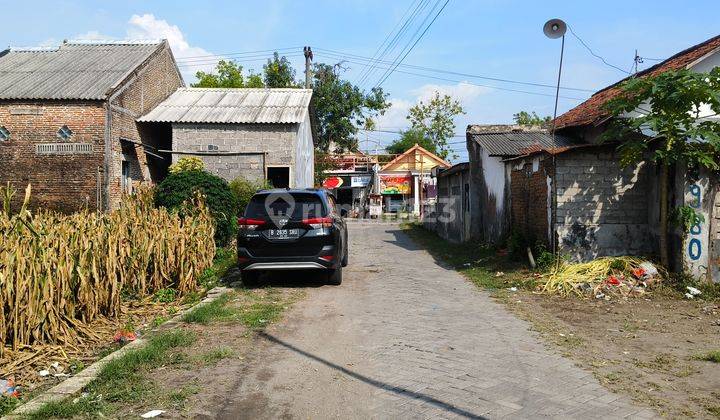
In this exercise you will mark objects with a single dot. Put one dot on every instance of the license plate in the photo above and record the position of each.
(283, 233)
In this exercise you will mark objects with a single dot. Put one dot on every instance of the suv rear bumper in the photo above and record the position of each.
(294, 265)
(246, 261)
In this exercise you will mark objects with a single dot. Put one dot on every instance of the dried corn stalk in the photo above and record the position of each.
(60, 272)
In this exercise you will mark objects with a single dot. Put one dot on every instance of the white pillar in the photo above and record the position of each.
(416, 204)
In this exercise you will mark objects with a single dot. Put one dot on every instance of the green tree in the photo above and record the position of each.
(228, 75)
(409, 139)
(341, 108)
(254, 80)
(278, 73)
(435, 120)
(531, 119)
(659, 118)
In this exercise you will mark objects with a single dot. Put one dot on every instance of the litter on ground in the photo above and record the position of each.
(8, 388)
(602, 278)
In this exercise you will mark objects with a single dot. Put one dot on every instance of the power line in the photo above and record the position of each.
(434, 70)
(205, 63)
(238, 53)
(414, 44)
(593, 53)
(480, 85)
(378, 54)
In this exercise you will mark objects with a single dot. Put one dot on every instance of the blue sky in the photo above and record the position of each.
(500, 39)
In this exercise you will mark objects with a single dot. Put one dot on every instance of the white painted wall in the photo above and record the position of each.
(495, 177)
(696, 247)
(305, 156)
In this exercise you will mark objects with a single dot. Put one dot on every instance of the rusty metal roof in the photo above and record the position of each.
(71, 71)
(232, 106)
(516, 143)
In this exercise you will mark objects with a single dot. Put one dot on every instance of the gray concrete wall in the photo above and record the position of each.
(277, 140)
(489, 195)
(602, 208)
(451, 218)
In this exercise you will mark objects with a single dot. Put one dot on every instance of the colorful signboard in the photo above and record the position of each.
(332, 182)
(395, 184)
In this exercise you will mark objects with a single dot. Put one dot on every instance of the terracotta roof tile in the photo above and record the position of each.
(591, 111)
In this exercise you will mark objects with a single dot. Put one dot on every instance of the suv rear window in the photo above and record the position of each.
(305, 206)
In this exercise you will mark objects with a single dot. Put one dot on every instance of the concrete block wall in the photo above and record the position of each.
(601, 208)
(278, 141)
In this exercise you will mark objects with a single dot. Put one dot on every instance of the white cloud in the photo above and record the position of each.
(395, 117)
(147, 26)
(463, 91)
(93, 36)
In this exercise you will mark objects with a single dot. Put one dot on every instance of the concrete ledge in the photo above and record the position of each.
(76, 383)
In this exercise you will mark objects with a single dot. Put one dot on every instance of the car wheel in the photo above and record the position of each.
(335, 276)
(250, 278)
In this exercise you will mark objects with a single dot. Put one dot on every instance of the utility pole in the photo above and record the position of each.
(308, 65)
(637, 60)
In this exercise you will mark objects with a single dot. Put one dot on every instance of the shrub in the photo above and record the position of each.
(187, 164)
(179, 187)
(245, 189)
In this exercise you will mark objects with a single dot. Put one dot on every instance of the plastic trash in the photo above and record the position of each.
(152, 413)
(650, 269)
(43, 373)
(125, 336)
(693, 291)
(8, 388)
(513, 289)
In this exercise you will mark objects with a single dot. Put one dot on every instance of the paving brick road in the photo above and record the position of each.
(404, 337)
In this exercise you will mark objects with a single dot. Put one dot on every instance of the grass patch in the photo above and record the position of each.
(711, 356)
(7, 404)
(178, 398)
(480, 263)
(213, 356)
(217, 310)
(225, 259)
(120, 380)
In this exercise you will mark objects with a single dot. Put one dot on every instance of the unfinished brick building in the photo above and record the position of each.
(68, 120)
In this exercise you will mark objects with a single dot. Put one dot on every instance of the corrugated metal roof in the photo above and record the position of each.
(520, 143)
(215, 105)
(71, 71)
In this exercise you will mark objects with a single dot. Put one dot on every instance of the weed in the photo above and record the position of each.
(260, 314)
(69, 408)
(478, 262)
(76, 365)
(7, 404)
(120, 380)
(613, 377)
(191, 298)
(158, 321)
(711, 356)
(216, 310)
(213, 356)
(165, 295)
(178, 397)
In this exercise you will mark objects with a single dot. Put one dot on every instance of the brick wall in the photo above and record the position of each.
(68, 182)
(63, 182)
(150, 84)
(530, 198)
(278, 140)
(602, 208)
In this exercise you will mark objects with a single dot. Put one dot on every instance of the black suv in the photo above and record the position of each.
(292, 229)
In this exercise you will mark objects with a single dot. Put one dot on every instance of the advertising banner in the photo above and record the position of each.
(395, 184)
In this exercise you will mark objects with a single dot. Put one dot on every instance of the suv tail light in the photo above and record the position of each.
(319, 222)
(249, 224)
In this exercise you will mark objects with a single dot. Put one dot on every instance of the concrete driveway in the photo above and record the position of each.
(405, 337)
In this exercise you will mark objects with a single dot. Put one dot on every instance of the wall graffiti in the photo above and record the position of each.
(696, 244)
